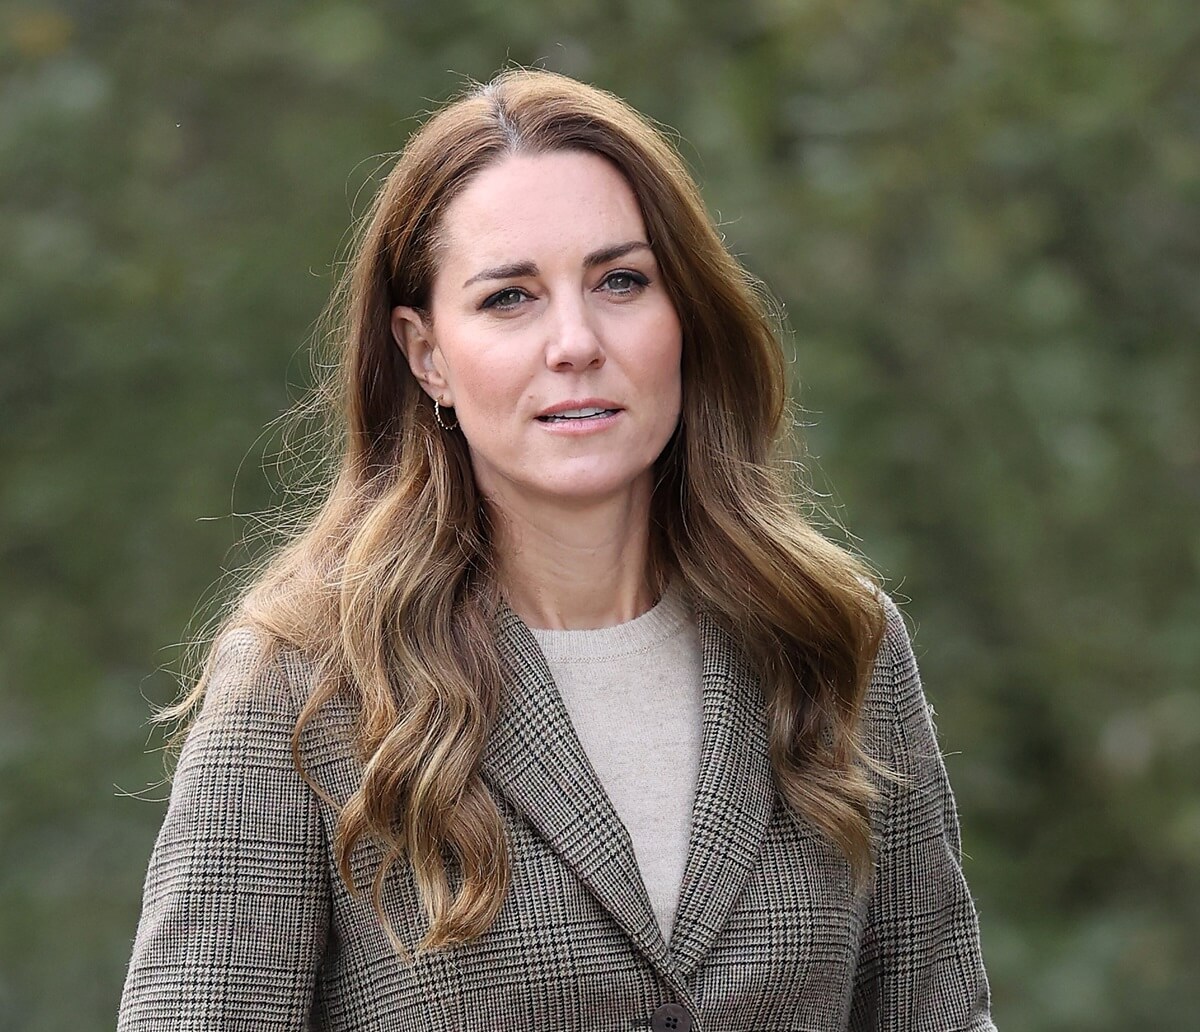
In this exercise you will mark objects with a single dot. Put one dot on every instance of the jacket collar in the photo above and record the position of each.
(535, 759)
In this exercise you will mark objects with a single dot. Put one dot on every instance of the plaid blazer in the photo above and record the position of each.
(246, 926)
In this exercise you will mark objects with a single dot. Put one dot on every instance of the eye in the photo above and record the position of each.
(509, 297)
(624, 281)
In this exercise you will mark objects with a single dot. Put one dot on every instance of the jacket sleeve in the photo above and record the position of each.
(236, 902)
(920, 964)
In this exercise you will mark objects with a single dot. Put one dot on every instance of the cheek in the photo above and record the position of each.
(487, 380)
(662, 362)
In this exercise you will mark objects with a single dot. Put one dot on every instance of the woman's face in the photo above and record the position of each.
(548, 300)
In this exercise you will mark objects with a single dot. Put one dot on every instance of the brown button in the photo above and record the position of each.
(671, 1017)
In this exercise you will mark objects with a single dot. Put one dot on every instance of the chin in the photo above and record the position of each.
(592, 485)
(577, 483)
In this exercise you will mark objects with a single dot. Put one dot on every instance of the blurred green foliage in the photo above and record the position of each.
(983, 219)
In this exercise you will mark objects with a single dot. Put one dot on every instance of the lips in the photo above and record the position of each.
(577, 414)
(579, 409)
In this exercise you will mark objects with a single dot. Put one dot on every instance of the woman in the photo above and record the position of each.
(558, 713)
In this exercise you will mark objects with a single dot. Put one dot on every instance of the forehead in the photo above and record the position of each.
(563, 204)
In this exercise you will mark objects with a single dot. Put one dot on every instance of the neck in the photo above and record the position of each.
(569, 568)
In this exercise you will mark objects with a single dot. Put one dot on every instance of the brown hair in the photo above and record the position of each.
(390, 588)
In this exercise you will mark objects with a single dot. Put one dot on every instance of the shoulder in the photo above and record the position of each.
(896, 661)
(254, 687)
(895, 652)
(895, 699)
(245, 671)
(262, 696)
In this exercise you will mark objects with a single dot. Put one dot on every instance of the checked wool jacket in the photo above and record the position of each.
(246, 926)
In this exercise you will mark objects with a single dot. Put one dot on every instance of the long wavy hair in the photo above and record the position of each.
(389, 587)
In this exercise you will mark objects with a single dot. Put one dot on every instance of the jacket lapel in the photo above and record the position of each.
(535, 759)
(735, 797)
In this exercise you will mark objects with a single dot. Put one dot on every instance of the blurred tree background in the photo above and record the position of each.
(982, 217)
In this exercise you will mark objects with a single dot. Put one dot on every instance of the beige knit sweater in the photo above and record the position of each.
(633, 694)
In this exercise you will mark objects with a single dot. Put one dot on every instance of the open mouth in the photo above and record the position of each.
(578, 415)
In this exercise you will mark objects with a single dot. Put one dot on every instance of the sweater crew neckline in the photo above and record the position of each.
(641, 634)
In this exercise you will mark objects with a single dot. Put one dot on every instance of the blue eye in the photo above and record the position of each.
(625, 282)
(509, 297)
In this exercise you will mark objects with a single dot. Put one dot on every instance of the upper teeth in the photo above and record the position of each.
(578, 413)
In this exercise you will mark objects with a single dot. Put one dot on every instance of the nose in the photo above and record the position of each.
(574, 338)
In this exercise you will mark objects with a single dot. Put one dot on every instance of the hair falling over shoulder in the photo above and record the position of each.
(389, 588)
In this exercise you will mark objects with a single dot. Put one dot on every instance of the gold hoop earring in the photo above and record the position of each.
(437, 414)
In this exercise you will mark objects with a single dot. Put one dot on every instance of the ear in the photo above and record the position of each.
(414, 336)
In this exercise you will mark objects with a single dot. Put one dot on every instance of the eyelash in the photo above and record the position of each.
(638, 283)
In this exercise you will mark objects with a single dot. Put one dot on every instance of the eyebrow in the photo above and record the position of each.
(516, 270)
